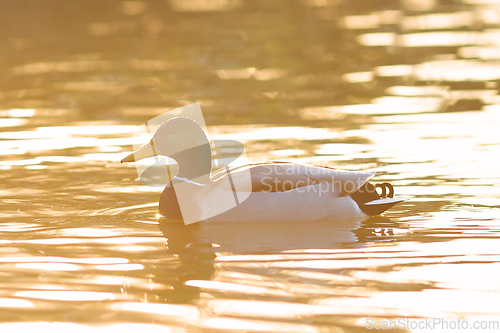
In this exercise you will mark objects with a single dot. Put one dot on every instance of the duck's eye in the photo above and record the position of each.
(147, 146)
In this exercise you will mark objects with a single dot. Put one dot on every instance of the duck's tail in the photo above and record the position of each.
(371, 203)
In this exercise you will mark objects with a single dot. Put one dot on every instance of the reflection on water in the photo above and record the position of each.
(406, 88)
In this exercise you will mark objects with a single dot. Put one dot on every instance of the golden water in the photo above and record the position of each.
(408, 88)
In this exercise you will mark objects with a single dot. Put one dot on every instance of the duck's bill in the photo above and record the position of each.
(148, 150)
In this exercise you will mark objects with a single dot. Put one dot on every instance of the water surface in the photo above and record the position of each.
(405, 88)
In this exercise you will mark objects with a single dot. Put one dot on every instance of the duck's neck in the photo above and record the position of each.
(195, 163)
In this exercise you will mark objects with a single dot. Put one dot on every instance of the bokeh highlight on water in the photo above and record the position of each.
(403, 87)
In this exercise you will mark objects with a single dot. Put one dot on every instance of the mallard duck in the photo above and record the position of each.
(271, 191)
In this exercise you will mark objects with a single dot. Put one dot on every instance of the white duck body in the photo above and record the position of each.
(279, 192)
(317, 203)
(284, 192)
(273, 191)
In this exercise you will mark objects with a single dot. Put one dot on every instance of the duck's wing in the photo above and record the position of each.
(283, 176)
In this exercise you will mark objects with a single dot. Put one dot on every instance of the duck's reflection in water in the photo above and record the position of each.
(258, 237)
(198, 245)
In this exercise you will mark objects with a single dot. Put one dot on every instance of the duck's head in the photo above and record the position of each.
(183, 140)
